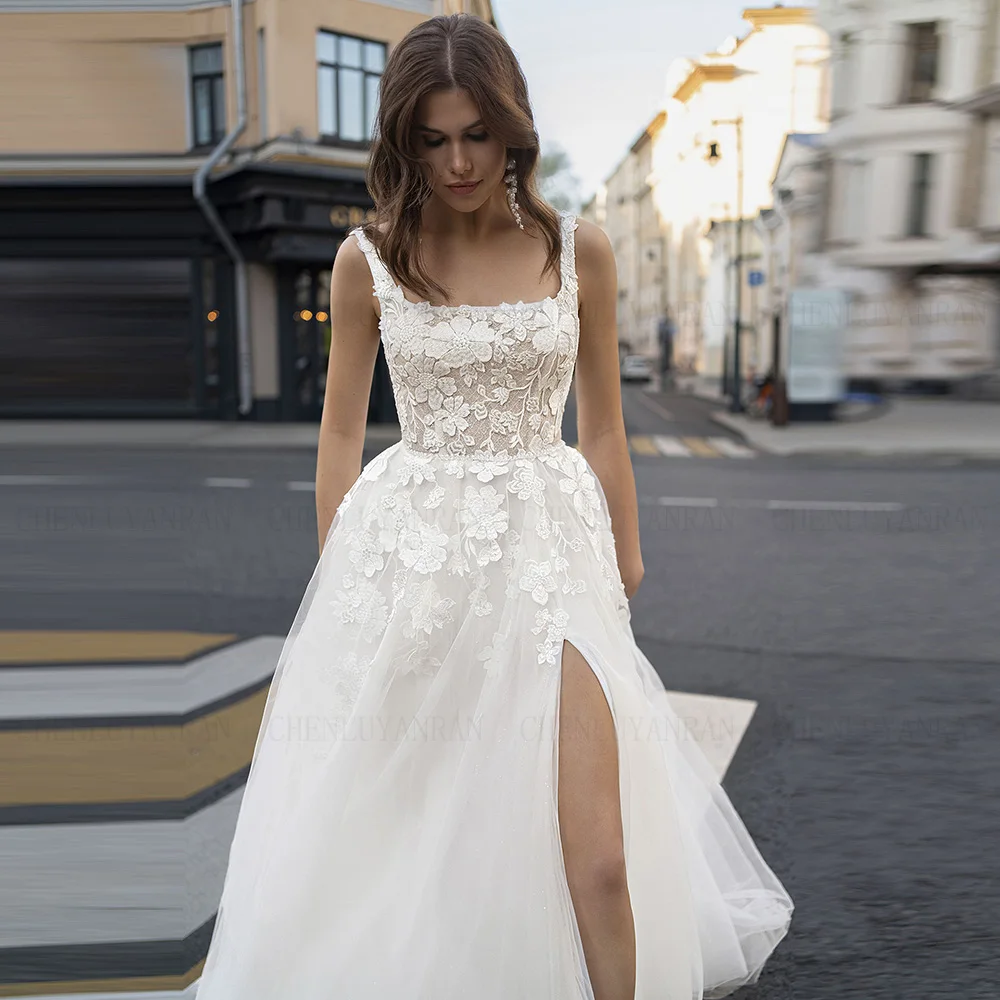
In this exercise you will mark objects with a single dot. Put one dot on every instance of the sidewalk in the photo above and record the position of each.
(945, 427)
(173, 434)
(701, 386)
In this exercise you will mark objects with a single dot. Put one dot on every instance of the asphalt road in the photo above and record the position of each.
(855, 601)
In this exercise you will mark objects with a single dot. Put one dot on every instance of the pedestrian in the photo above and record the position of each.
(468, 781)
(665, 335)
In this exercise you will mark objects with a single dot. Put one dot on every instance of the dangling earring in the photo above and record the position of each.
(510, 179)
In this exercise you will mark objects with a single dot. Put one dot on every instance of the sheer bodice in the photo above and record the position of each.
(489, 380)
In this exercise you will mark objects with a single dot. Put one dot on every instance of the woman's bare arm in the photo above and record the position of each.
(353, 349)
(600, 423)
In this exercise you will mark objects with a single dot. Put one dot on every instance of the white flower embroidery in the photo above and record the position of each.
(483, 513)
(366, 553)
(485, 469)
(452, 417)
(579, 483)
(434, 498)
(428, 383)
(554, 624)
(363, 605)
(417, 470)
(428, 609)
(538, 580)
(526, 485)
(421, 546)
(459, 341)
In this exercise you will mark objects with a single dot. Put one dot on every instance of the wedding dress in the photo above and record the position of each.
(398, 837)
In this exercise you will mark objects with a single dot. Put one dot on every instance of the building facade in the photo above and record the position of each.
(790, 236)
(119, 294)
(727, 115)
(620, 224)
(913, 209)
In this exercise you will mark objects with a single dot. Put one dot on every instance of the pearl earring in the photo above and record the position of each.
(510, 179)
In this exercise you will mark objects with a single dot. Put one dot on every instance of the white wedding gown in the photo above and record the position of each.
(398, 837)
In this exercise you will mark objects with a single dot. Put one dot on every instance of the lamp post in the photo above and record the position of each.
(736, 398)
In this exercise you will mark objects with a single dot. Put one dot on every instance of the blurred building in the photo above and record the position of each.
(727, 117)
(705, 161)
(790, 235)
(117, 293)
(911, 189)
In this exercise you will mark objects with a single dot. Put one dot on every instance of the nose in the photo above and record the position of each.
(459, 159)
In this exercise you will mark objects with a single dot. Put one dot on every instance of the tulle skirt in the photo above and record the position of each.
(398, 835)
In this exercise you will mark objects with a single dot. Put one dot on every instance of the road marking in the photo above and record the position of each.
(731, 449)
(222, 482)
(687, 501)
(41, 480)
(700, 447)
(651, 404)
(302, 486)
(851, 505)
(643, 445)
(756, 504)
(670, 446)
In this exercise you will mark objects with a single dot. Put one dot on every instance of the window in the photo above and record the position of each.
(349, 70)
(920, 188)
(208, 94)
(922, 45)
(844, 74)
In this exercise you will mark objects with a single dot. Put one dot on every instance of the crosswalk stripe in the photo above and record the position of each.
(643, 445)
(700, 447)
(228, 483)
(731, 449)
(671, 446)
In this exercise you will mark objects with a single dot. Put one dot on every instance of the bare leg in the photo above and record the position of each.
(590, 825)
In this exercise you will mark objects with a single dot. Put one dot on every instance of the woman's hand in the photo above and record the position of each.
(632, 572)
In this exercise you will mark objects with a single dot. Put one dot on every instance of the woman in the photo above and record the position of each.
(468, 780)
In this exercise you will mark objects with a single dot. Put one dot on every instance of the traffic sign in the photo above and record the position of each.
(755, 278)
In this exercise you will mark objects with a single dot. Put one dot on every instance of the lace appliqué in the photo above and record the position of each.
(480, 379)
(413, 530)
(480, 391)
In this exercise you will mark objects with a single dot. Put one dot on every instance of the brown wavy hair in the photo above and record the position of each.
(448, 52)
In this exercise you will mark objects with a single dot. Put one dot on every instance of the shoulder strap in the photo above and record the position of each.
(568, 256)
(384, 287)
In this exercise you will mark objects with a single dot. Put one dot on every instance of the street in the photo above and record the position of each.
(853, 600)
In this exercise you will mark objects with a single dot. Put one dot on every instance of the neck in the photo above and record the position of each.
(441, 220)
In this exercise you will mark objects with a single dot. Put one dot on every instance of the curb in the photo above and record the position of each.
(792, 449)
(723, 419)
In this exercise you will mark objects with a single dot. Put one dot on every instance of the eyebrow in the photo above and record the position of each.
(437, 131)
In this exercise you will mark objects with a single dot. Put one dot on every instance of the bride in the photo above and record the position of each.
(469, 780)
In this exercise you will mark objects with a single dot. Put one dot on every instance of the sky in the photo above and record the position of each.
(596, 69)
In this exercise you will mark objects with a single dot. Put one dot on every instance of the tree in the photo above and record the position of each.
(559, 186)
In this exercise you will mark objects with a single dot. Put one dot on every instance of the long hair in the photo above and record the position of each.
(448, 52)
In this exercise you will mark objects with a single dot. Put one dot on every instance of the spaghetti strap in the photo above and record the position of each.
(567, 261)
(383, 285)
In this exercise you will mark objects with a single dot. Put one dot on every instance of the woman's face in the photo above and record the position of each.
(466, 163)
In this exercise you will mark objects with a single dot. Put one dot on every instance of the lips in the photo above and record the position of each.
(466, 188)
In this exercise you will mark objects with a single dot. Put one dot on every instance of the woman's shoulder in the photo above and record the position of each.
(351, 263)
(593, 248)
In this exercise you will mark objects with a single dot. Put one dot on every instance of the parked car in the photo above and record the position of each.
(637, 368)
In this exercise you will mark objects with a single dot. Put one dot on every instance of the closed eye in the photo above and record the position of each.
(474, 136)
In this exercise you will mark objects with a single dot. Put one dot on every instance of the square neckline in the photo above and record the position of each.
(425, 305)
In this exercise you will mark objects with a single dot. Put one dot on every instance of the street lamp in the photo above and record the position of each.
(714, 155)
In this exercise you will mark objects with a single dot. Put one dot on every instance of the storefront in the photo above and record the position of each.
(116, 299)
